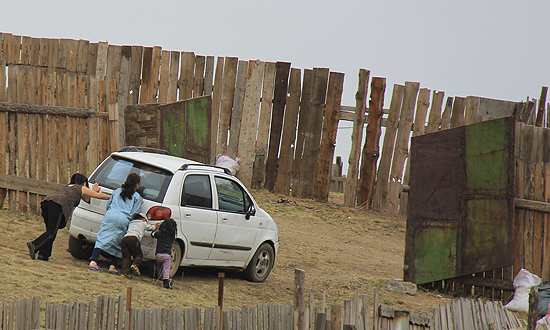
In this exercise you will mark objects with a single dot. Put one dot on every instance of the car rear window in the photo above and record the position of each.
(113, 173)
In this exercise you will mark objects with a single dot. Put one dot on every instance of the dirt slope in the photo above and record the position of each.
(341, 249)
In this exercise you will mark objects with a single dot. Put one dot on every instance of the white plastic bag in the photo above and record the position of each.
(523, 282)
(224, 160)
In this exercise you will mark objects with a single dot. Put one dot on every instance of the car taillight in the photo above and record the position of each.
(159, 213)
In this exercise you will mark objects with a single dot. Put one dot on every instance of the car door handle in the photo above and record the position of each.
(225, 219)
(187, 215)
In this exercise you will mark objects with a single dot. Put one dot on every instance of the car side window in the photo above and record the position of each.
(231, 197)
(197, 191)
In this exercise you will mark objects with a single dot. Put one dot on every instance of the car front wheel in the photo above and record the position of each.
(261, 264)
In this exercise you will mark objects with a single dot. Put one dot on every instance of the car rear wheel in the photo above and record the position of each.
(261, 264)
(176, 259)
(80, 248)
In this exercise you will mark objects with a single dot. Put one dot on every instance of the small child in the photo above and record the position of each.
(131, 246)
(165, 237)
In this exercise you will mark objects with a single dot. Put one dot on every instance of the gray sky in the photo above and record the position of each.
(496, 49)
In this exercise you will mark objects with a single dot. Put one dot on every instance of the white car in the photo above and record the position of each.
(219, 223)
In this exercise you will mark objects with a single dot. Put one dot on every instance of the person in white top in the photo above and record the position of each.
(131, 246)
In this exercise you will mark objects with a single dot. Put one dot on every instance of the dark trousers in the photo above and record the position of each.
(131, 247)
(52, 214)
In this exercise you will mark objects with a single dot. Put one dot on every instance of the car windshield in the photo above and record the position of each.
(113, 173)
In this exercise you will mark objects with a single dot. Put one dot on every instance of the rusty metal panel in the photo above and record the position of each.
(185, 128)
(460, 218)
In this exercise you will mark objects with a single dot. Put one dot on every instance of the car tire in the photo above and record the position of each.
(261, 264)
(176, 258)
(79, 248)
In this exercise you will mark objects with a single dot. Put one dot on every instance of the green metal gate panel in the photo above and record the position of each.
(460, 218)
(185, 128)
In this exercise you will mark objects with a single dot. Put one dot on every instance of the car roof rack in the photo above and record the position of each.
(221, 169)
(147, 149)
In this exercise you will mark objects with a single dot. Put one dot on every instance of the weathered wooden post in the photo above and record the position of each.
(372, 140)
(299, 296)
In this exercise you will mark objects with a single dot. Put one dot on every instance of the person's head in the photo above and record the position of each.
(80, 179)
(168, 227)
(133, 180)
(139, 216)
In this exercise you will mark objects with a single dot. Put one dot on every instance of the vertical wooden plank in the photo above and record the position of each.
(208, 75)
(62, 53)
(164, 72)
(401, 150)
(263, 125)
(236, 114)
(185, 81)
(249, 123)
(135, 74)
(383, 173)
(282, 185)
(146, 83)
(369, 155)
(538, 231)
(7, 51)
(434, 119)
(15, 50)
(198, 81)
(172, 93)
(103, 124)
(114, 58)
(304, 113)
(53, 52)
(310, 156)
(82, 56)
(228, 92)
(44, 57)
(279, 102)
(446, 115)
(457, 114)
(25, 50)
(101, 63)
(92, 59)
(123, 88)
(216, 99)
(4, 131)
(155, 70)
(35, 52)
(72, 55)
(350, 193)
(328, 139)
(21, 134)
(546, 224)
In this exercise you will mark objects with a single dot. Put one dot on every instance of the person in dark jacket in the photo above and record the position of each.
(57, 209)
(165, 237)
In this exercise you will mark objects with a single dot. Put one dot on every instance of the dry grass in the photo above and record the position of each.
(341, 249)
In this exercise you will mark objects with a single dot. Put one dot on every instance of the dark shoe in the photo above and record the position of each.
(135, 269)
(116, 272)
(40, 257)
(167, 285)
(31, 250)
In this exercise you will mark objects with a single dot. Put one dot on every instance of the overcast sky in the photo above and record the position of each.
(496, 49)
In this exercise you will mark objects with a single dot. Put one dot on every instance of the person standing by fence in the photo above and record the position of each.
(57, 209)
(124, 202)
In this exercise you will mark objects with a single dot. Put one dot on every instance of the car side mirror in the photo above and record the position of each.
(250, 211)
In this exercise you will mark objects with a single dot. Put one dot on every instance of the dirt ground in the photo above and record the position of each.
(343, 251)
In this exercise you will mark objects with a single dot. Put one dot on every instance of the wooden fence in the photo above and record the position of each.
(109, 313)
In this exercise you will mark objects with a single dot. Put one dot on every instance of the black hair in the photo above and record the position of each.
(137, 216)
(168, 228)
(129, 187)
(80, 179)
